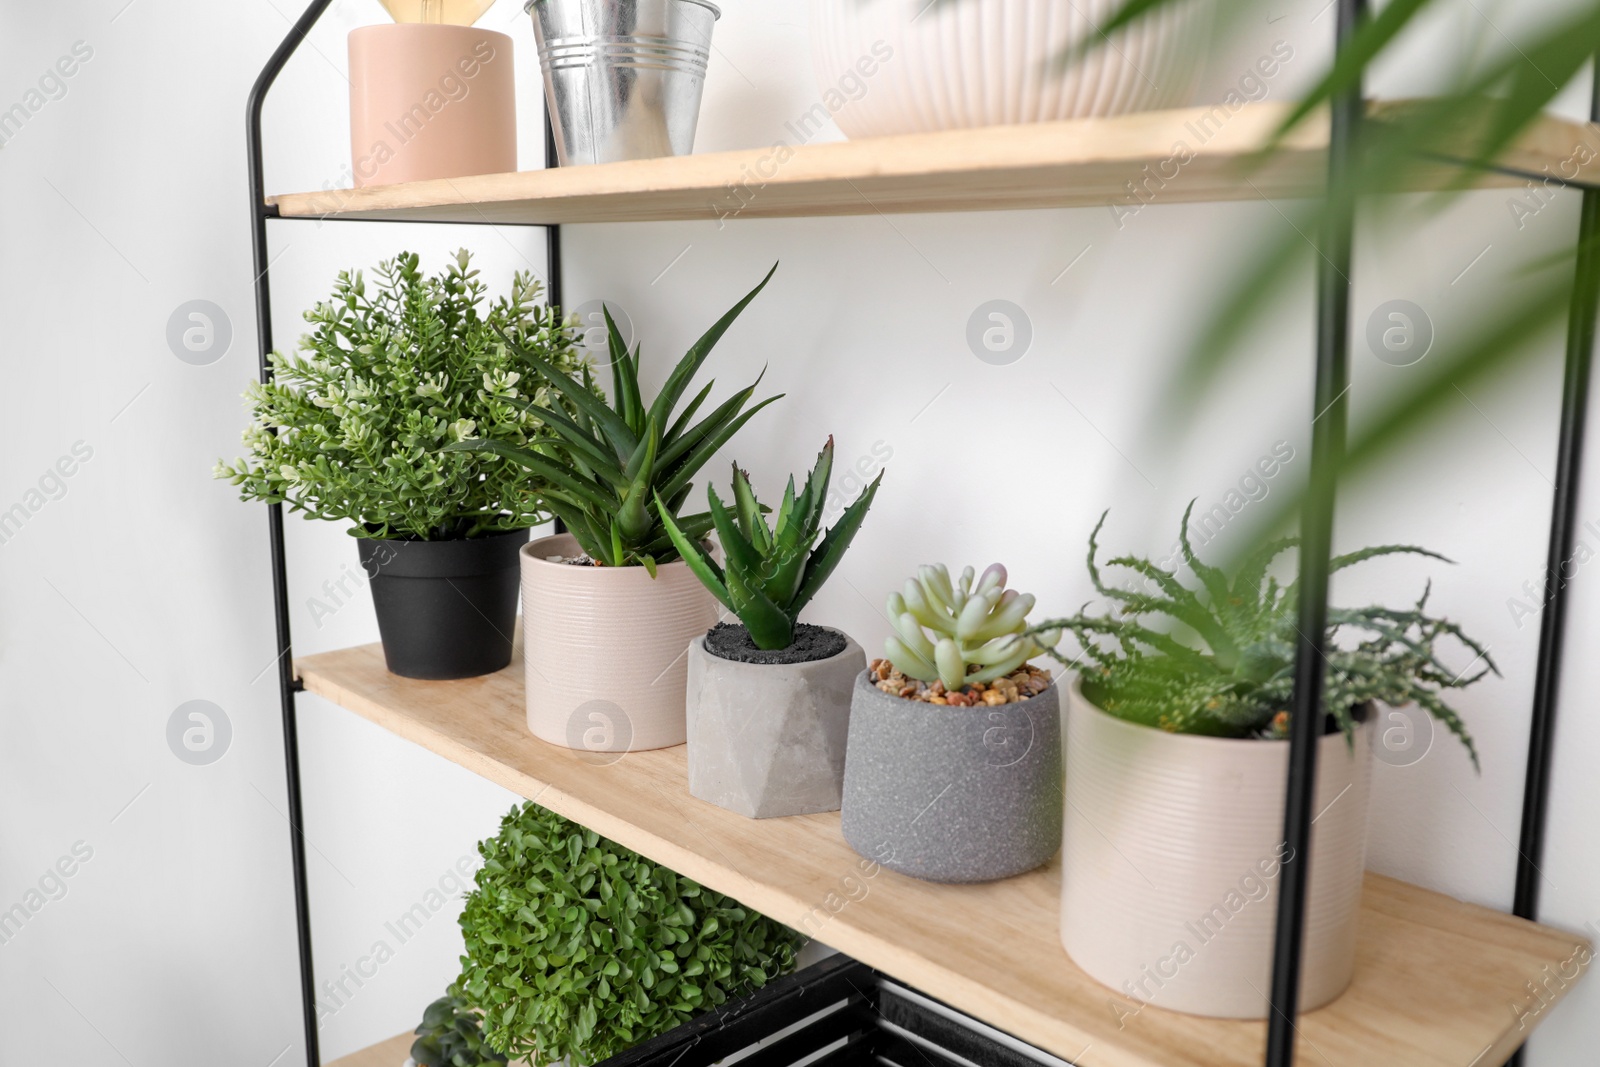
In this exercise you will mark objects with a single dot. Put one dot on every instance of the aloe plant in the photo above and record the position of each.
(1219, 660)
(609, 464)
(772, 572)
(984, 627)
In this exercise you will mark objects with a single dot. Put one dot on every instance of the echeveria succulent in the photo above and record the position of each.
(943, 630)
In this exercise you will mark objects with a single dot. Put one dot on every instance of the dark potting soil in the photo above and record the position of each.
(728, 640)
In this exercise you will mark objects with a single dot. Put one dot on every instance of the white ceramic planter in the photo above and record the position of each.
(605, 649)
(1171, 858)
(896, 66)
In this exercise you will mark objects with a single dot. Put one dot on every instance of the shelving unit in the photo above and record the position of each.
(1434, 982)
(1083, 163)
(1438, 981)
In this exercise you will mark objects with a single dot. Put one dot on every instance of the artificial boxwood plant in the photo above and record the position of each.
(352, 428)
(579, 948)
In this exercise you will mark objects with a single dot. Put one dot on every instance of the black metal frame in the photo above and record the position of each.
(288, 685)
(859, 1024)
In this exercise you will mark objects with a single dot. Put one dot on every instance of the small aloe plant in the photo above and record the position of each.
(772, 572)
(983, 627)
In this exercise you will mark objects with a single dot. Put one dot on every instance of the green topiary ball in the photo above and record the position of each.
(577, 947)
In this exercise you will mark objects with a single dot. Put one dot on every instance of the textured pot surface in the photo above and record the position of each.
(446, 609)
(1171, 861)
(953, 794)
(894, 66)
(768, 739)
(430, 101)
(606, 649)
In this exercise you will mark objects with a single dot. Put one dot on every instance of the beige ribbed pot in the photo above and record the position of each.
(1171, 860)
(605, 649)
(430, 101)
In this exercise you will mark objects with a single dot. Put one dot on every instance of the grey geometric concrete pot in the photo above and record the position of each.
(768, 739)
(953, 794)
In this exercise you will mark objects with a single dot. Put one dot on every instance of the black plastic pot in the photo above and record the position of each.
(446, 609)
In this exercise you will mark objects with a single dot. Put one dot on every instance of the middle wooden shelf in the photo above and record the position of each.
(1433, 980)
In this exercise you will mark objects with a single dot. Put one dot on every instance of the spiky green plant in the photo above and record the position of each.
(1219, 660)
(607, 464)
(984, 627)
(772, 572)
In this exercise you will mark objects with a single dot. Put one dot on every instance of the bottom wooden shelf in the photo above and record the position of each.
(390, 1053)
(1438, 981)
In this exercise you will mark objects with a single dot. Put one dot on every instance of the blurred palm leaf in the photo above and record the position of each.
(1471, 127)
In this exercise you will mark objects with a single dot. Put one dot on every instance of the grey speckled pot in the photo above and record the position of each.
(953, 794)
(768, 739)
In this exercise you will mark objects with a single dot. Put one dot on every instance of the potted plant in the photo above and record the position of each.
(953, 771)
(431, 95)
(1176, 769)
(608, 607)
(769, 698)
(578, 948)
(915, 66)
(451, 1035)
(350, 429)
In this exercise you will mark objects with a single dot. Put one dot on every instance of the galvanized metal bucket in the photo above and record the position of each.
(623, 77)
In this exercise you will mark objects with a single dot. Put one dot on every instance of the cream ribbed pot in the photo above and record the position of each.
(1172, 858)
(605, 649)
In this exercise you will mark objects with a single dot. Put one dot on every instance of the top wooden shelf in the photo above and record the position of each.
(1081, 163)
(1438, 982)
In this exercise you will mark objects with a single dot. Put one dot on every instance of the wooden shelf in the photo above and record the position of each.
(1436, 980)
(390, 1053)
(1082, 163)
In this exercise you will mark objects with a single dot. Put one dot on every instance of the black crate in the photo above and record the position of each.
(836, 1013)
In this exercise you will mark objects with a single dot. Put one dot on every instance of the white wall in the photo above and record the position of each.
(145, 585)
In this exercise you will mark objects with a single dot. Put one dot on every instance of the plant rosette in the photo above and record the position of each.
(953, 768)
(769, 699)
(1171, 855)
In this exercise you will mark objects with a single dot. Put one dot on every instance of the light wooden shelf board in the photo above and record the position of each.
(1080, 163)
(390, 1053)
(1436, 983)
